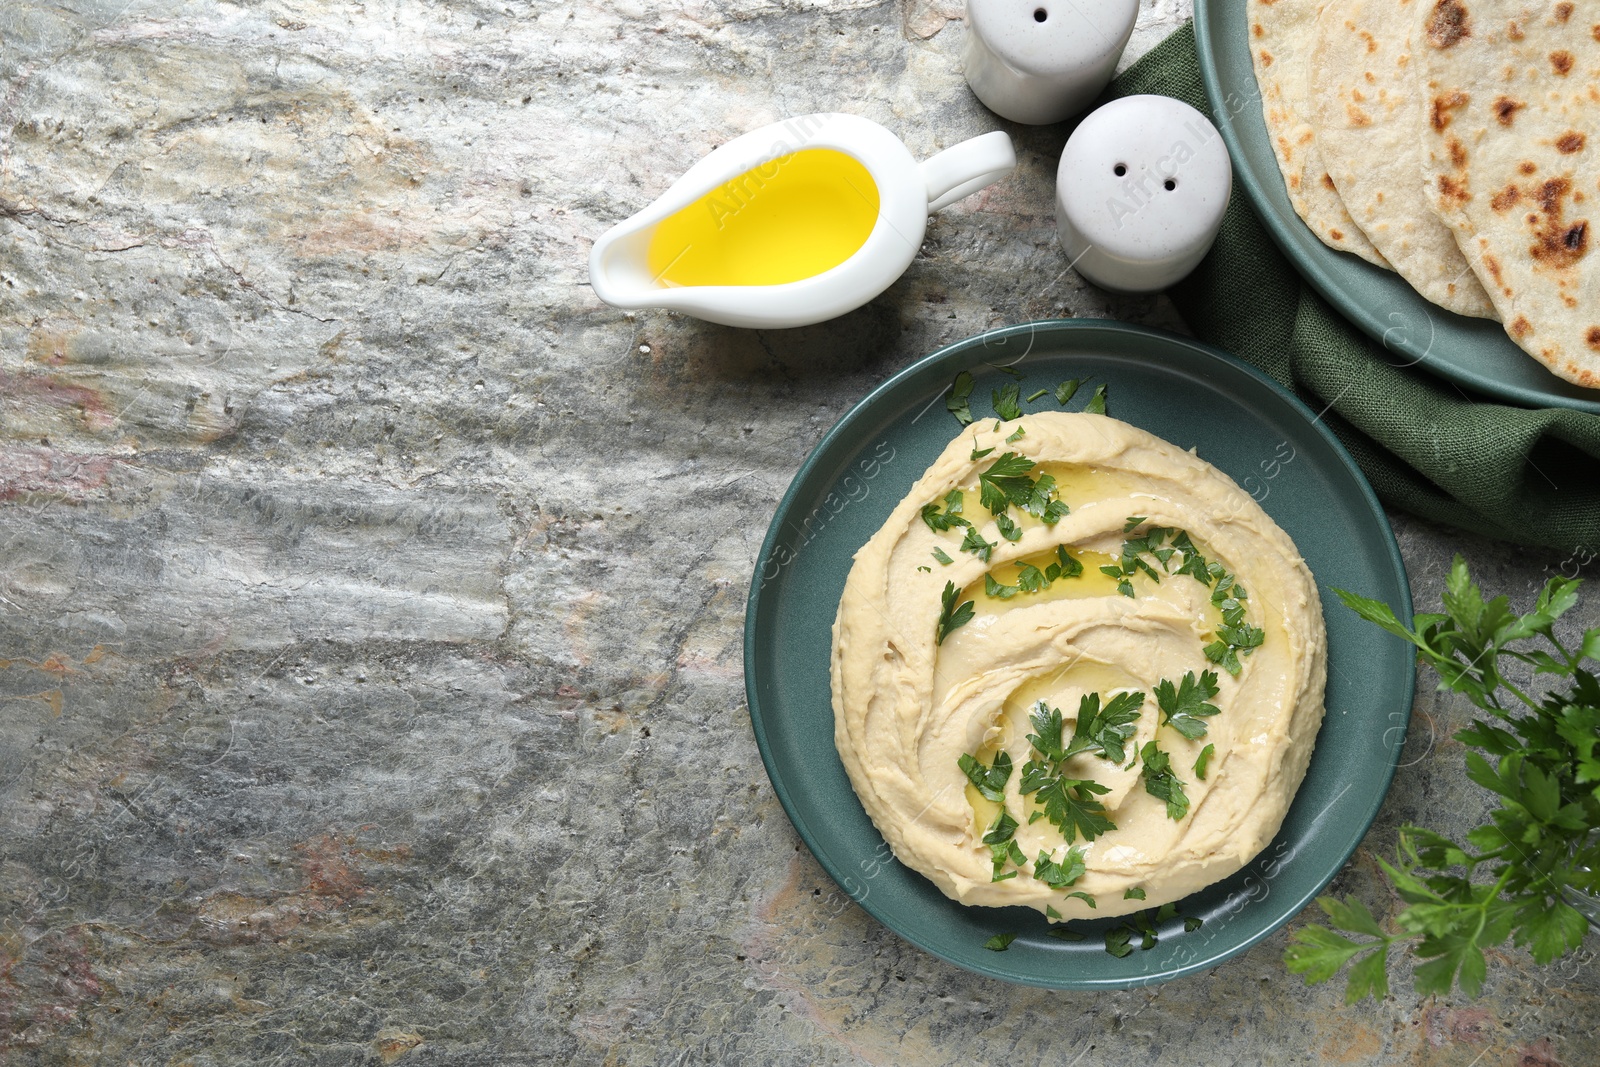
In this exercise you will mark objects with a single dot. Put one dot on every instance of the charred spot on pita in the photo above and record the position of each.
(1448, 23)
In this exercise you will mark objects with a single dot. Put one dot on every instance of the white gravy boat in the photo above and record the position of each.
(783, 202)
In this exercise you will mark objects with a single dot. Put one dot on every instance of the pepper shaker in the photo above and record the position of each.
(1140, 193)
(1041, 61)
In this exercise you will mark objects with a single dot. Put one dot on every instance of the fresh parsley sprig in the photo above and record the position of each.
(1537, 756)
(1069, 803)
(1160, 781)
(952, 615)
(1185, 707)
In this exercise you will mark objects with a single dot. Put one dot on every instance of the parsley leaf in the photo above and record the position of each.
(953, 615)
(1135, 893)
(1068, 803)
(1000, 942)
(1184, 708)
(942, 556)
(1105, 731)
(1031, 579)
(1081, 895)
(1160, 782)
(1036, 394)
(1003, 847)
(975, 544)
(1202, 761)
(997, 591)
(1063, 874)
(979, 453)
(957, 403)
(1064, 933)
(1008, 529)
(1097, 403)
(1005, 402)
(1117, 939)
(1006, 482)
(989, 780)
(1017, 434)
(1065, 391)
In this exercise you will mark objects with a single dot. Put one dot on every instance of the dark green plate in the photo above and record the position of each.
(1191, 395)
(1475, 353)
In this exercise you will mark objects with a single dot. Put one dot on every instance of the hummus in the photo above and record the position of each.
(1191, 605)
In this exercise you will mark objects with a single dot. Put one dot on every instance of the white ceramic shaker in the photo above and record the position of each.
(1039, 61)
(1140, 193)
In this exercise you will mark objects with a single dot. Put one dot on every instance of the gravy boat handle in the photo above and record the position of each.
(963, 169)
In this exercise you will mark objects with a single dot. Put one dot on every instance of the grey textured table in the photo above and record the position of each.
(371, 595)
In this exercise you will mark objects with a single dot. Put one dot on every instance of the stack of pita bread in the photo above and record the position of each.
(1456, 142)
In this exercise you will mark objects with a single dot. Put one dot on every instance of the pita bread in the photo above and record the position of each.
(1282, 33)
(1510, 125)
(1365, 116)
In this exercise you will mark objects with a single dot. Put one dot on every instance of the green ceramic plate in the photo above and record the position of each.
(1191, 395)
(1475, 353)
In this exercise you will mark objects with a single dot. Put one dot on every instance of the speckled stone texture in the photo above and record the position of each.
(371, 595)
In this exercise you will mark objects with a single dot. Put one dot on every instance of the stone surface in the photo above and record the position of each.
(371, 596)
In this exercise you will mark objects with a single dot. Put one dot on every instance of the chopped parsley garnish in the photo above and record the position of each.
(1063, 874)
(957, 402)
(1119, 939)
(989, 780)
(1007, 369)
(1135, 893)
(1030, 579)
(1006, 482)
(925, 570)
(1051, 912)
(1005, 402)
(975, 544)
(942, 556)
(1003, 847)
(1017, 434)
(1097, 403)
(1235, 636)
(1085, 897)
(1066, 390)
(1036, 395)
(1043, 504)
(1070, 567)
(1000, 942)
(1069, 803)
(1203, 760)
(1159, 781)
(979, 453)
(1185, 706)
(1104, 731)
(996, 591)
(949, 518)
(953, 615)
(1008, 529)
(1063, 933)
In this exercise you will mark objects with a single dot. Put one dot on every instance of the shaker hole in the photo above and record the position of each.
(1169, 185)
(1040, 14)
(1119, 170)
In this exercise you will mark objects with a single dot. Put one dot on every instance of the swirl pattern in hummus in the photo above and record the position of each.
(907, 708)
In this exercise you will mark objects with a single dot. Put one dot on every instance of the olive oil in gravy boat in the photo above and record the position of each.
(790, 224)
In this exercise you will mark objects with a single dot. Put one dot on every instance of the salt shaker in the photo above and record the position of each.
(1040, 61)
(1140, 193)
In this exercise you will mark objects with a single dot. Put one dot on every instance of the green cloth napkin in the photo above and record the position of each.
(1525, 475)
